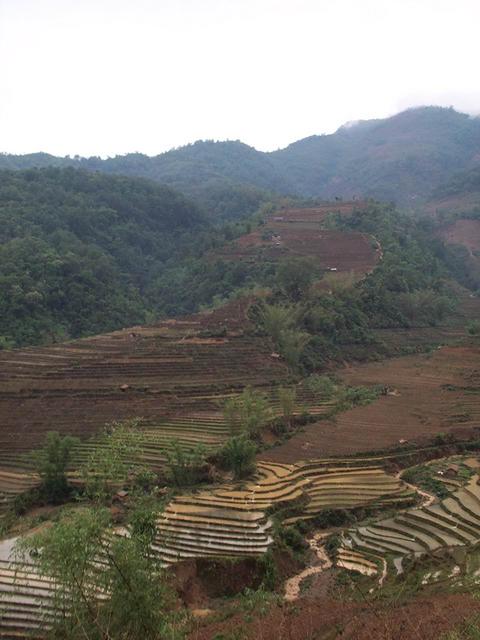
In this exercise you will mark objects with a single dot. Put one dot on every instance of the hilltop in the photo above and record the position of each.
(403, 158)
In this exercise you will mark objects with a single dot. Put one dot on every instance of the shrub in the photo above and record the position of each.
(186, 467)
(322, 386)
(111, 463)
(357, 396)
(52, 463)
(238, 455)
(286, 399)
(473, 327)
(250, 412)
(137, 601)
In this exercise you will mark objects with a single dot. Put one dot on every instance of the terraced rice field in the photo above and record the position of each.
(453, 522)
(26, 601)
(299, 233)
(174, 374)
(429, 394)
(225, 521)
(233, 521)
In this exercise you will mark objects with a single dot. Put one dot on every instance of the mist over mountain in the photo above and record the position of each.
(403, 158)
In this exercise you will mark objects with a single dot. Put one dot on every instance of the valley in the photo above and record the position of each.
(329, 468)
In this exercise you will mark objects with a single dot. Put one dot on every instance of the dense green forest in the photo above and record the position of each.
(463, 182)
(402, 158)
(83, 252)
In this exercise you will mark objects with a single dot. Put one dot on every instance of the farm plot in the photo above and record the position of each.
(465, 232)
(455, 521)
(27, 601)
(427, 395)
(233, 520)
(173, 374)
(299, 233)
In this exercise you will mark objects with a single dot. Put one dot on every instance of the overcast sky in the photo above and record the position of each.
(103, 77)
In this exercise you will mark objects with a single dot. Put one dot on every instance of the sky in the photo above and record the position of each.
(107, 77)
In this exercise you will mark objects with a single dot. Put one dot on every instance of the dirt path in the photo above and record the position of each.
(292, 585)
(428, 497)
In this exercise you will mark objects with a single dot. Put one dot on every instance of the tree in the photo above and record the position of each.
(106, 586)
(52, 464)
(280, 322)
(115, 461)
(249, 412)
(186, 467)
(294, 277)
(291, 346)
(473, 327)
(276, 319)
(286, 398)
(321, 386)
(238, 455)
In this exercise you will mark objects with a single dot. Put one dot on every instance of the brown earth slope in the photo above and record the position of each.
(174, 367)
(429, 394)
(299, 233)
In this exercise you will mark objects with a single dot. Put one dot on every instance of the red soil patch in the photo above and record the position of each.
(425, 618)
(299, 233)
(461, 203)
(174, 367)
(464, 231)
(433, 394)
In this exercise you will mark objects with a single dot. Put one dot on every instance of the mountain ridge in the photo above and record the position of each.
(403, 158)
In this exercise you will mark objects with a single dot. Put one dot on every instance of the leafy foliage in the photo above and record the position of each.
(238, 455)
(249, 412)
(78, 250)
(115, 461)
(52, 464)
(107, 586)
(186, 467)
(286, 398)
(294, 277)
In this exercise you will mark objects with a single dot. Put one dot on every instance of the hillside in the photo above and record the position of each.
(402, 158)
(332, 502)
(78, 250)
(460, 195)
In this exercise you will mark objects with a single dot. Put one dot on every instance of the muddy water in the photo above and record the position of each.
(322, 562)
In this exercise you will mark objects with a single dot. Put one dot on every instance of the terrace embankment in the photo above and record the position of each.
(301, 233)
(174, 374)
(427, 394)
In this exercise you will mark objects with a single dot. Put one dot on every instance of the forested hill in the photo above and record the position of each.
(403, 158)
(79, 250)
(464, 182)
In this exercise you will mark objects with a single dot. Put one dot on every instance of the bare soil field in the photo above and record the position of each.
(176, 367)
(451, 331)
(425, 618)
(428, 395)
(465, 232)
(463, 203)
(299, 233)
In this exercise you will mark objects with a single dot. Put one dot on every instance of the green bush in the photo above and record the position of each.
(473, 327)
(186, 467)
(238, 455)
(52, 463)
(249, 412)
